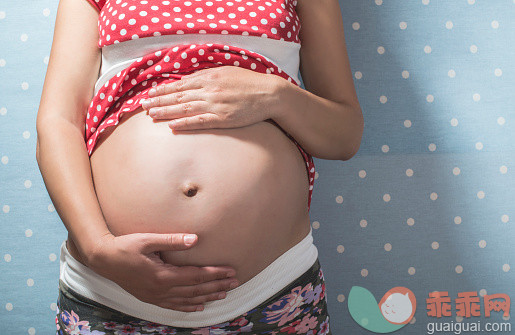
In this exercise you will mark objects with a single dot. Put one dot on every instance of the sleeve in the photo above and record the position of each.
(98, 4)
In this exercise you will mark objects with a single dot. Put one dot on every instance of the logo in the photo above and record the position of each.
(393, 312)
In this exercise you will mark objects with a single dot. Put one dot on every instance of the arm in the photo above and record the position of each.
(64, 164)
(326, 118)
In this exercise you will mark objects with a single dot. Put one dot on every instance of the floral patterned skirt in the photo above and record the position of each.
(299, 308)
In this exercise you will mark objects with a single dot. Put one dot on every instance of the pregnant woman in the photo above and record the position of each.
(160, 119)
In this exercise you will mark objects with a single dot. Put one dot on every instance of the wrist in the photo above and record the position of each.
(90, 241)
(280, 90)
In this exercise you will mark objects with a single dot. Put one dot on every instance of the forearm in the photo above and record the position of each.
(324, 128)
(64, 164)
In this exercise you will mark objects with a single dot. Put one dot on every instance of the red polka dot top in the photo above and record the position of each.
(153, 42)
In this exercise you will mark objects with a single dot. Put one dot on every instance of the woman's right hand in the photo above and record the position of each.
(132, 261)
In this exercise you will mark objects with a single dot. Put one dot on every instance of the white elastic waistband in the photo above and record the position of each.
(281, 272)
(116, 57)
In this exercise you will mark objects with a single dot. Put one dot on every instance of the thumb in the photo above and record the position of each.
(168, 242)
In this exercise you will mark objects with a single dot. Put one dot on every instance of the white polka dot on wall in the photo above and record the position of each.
(386, 197)
(410, 221)
(480, 194)
(380, 50)
(27, 183)
(427, 49)
(506, 267)
(2, 15)
(456, 171)
(9, 307)
(364, 272)
(6, 208)
(411, 270)
(383, 99)
(388, 247)
(363, 223)
(7, 258)
(46, 12)
(5, 160)
(31, 331)
(407, 123)
(51, 208)
(405, 74)
(501, 121)
(430, 98)
(459, 269)
(505, 218)
(409, 172)
(457, 220)
(2, 62)
(482, 244)
(454, 122)
(403, 25)
(341, 297)
(358, 75)
(431, 147)
(385, 148)
(498, 72)
(28, 232)
(451, 73)
(315, 224)
(362, 174)
(52, 257)
(433, 196)
(355, 25)
(53, 306)
(473, 48)
(26, 134)
(425, 2)
(476, 97)
(449, 25)
(24, 37)
(495, 24)
(340, 249)
(24, 86)
(339, 199)
(435, 245)
(30, 282)
(3, 111)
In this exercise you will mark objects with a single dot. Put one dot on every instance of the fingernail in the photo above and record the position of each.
(200, 308)
(233, 285)
(152, 91)
(231, 273)
(221, 295)
(189, 239)
(152, 112)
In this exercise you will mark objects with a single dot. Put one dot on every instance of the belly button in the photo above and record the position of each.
(190, 190)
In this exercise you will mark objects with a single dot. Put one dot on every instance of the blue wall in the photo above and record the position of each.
(428, 202)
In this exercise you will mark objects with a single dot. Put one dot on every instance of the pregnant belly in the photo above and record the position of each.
(243, 191)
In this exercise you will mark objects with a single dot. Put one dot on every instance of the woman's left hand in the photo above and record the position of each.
(218, 97)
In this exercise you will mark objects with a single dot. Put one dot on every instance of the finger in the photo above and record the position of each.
(172, 98)
(185, 293)
(175, 86)
(201, 121)
(194, 275)
(198, 300)
(163, 242)
(190, 108)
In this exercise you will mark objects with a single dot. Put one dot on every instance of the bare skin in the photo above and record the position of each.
(326, 119)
